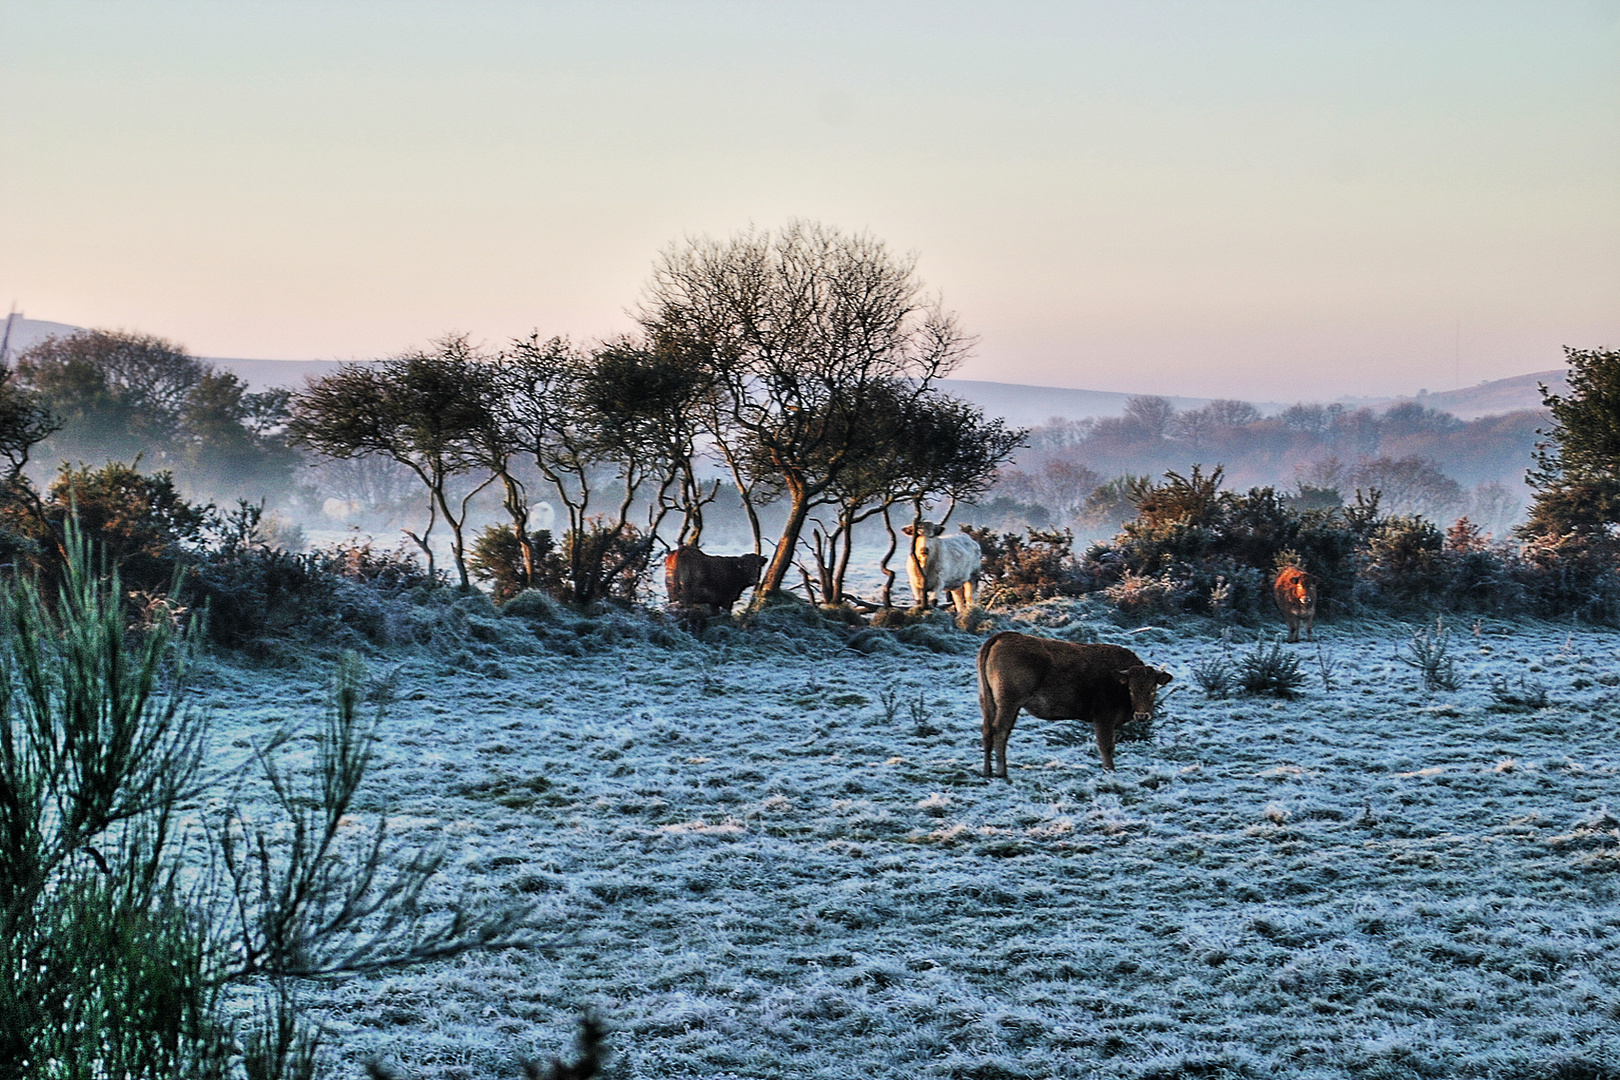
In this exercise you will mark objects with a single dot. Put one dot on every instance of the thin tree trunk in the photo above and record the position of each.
(782, 560)
(883, 563)
(458, 534)
(517, 508)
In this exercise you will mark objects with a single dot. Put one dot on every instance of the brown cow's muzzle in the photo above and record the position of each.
(1142, 716)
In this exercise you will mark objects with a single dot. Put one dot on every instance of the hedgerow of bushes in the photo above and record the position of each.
(1192, 548)
(1195, 548)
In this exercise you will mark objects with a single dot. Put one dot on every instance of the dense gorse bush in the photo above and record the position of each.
(128, 918)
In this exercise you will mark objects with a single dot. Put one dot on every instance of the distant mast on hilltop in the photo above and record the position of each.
(5, 342)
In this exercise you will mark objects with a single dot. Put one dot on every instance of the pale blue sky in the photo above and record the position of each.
(1261, 200)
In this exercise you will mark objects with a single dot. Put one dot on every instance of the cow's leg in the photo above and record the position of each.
(988, 726)
(1005, 716)
(1104, 727)
(919, 581)
(1293, 630)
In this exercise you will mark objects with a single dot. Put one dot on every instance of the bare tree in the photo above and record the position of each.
(1148, 417)
(25, 422)
(1411, 485)
(597, 424)
(422, 409)
(801, 330)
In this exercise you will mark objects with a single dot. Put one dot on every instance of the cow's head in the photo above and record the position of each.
(1143, 682)
(753, 564)
(1303, 588)
(923, 529)
(1296, 582)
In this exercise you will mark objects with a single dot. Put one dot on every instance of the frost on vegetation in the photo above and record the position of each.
(1271, 670)
(141, 937)
(1327, 667)
(1215, 675)
(762, 867)
(1429, 651)
(1523, 693)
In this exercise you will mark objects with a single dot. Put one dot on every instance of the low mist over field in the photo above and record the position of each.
(1461, 453)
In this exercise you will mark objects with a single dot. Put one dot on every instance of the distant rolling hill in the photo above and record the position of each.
(1024, 406)
(1027, 406)
(1491, 398)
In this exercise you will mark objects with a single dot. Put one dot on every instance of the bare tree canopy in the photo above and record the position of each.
(801, 331)
(424, 410)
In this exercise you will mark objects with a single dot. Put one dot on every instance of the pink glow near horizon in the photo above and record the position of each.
(1259, 200)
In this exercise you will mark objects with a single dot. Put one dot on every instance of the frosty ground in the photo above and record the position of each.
(772, 855)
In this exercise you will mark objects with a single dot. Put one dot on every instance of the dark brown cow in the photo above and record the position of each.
(1295, 591)
(709, 582)
(1061, 680)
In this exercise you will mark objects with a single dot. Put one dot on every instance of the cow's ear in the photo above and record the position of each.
(1163, 677)
(1123, 675)
(938, 529)
(909, 530)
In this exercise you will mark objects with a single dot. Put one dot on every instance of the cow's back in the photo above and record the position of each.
(1060, 678)
(952, 560)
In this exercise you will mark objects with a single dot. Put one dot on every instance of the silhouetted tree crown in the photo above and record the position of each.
(800, 332)
(1577, 474)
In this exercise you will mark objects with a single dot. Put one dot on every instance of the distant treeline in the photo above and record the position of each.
(1075, 472)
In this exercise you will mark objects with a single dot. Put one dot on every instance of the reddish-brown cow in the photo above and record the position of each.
(1061, 680)
(713, 583)
(1295, 591)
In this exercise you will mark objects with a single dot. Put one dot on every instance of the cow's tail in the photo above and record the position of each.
(987, 696)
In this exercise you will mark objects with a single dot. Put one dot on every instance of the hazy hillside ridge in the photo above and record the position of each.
(1423, 457)
(1019, 403)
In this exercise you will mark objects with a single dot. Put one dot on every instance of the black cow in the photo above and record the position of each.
(709, 582)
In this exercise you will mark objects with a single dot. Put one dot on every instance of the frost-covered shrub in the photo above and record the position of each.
(1022, 569)
(1143, 596)
(873, 642)
(841, 613)
(1215, 675)
(892, 618)
(345, 594)
(1574, 573)
(1228, 590)
(939, 638)
(498, 556)
(536, 606)
(1222, 546)
(1272, 670)
(1081, 632)
(1524, 693)
(1429, 651)
(976, 620)
(1403, 565)
(1480, 575)
(139, 523)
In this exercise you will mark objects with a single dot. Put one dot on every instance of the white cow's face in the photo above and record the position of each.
(923, 530)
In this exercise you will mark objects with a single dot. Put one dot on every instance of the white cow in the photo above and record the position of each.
(342, 509)
(948, 565)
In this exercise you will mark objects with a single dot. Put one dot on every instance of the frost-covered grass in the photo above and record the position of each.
(782, 861)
